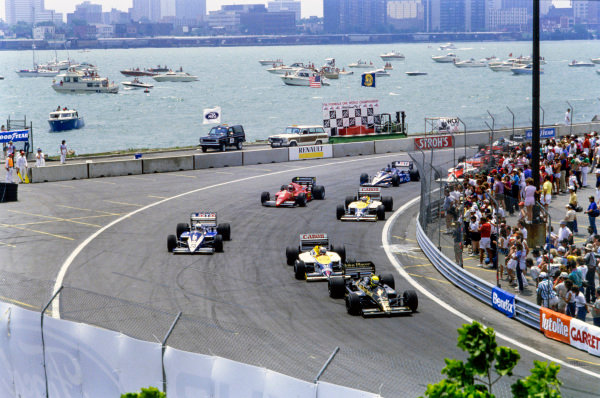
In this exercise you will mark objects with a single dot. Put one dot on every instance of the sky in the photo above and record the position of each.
(309, 7)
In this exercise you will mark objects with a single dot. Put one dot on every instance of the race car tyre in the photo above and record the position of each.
(300, 270)
(301, 199)
(414, 175)
(293, 143)
(224, 230)
(291, 255)
(336, 287)
(222, 147)
(349, 199)
(380, 212)
(171, 243)
(388, 203)
(387, 279)
(339, 212)
(341, 251)
(318, 192)
(411, 300)
(353, 304)
(264, 197)
(364, 178)
(204, 149)
(181, 228)
(218, 243)
(239, 145)
(395, 180)
(283, 187)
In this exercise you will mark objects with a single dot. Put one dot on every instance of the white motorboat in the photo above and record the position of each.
(380, 72)
(416, 73)
(330, 72)
(346, 72)
(37, 70)
(73, 81)
(283, 69)
(577, 64)
(361, 64)
(524, 70)
(301, 77)
(448, 46)
(65, 119)
(450, 57)
(595, 60)
(470, 63)
(505, 66)
(391, 56)
(136, 83)
(273, 62)
(175, 77)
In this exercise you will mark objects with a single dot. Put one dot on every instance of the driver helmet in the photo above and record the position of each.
(374, 281)
(322, 250)
(364, 198)
(290, 188)
(388, 168)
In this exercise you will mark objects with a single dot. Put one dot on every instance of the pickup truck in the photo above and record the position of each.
(300, 135)
(222, 136)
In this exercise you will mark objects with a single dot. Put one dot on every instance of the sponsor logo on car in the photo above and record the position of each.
(313, 236)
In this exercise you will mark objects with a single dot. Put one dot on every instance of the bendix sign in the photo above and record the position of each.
(434, 142)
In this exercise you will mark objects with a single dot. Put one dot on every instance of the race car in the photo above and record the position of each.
(297, 193)
(201, 236)
(460, 170)
(368, 205)
(369, 294)
(394, 174)
(315, 259)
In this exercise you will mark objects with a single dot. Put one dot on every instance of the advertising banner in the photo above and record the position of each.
(503, 302)
(435, 142)
(14, 136)
(555, 325)
(571, 331)
(310, 152)
(447, 125)
(212, 115)
(549, 132)
(348, 114)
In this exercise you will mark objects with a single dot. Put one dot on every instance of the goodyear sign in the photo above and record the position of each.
(549, 132)
(310, 152)
(14, 136)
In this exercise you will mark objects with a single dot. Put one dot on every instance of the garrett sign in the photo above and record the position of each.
(435, 142)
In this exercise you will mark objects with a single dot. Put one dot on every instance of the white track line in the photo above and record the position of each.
(386, 246)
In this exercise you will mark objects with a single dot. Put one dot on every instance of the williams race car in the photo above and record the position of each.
(297, 193)
(316, 259)
(201, 235)
(369, 294)
(395, 174)
(368, 205)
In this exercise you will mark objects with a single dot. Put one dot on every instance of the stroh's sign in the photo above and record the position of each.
(435, 142)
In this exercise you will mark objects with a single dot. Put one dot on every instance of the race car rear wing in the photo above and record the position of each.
(308, 241)
(205, 217)
(358, 269)
(372, 192)
(308, 181)
(402, 163)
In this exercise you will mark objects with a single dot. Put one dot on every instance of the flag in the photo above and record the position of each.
(315, 81)
(212, 115)
(368, 79)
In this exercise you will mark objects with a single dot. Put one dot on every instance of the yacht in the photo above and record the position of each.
(273, 62)
(524, 70)
(346, 72)
(595, 60)
(388, 66)
(136, 83)
(65, 119)
(576, 64)
(73, 81)
(37, 72)
(391, 56)
(283, 69)
(471, 63)
(505, 66)
(380, 72)
(301, 77)
(448, 46)
(416, 73)
(330, 72)
(450, 57)
(361, 64)
(175, 77)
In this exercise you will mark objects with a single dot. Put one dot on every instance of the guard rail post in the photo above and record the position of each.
(42, 329)
(163, 348)
(326, 364)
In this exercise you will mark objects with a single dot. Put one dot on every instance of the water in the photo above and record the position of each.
(171, 115)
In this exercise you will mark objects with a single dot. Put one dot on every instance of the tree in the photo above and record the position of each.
(487, 361)
(150, 392)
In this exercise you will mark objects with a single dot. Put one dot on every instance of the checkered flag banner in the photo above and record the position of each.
(349, 114)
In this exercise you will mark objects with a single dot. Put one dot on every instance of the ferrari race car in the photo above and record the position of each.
(316, 259)
(201, 235)
(395, 174)
(369, 294)
(368, 205)
(460, 170)
(297, 193)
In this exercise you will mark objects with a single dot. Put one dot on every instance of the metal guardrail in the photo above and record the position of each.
(525, 312)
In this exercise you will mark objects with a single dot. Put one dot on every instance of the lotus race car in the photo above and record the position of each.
(368, 205)
(395, 174)
(201, 235)
(316, 259)
(368, 294)
(297, 193)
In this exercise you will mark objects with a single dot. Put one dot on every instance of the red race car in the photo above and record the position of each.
(297, 193)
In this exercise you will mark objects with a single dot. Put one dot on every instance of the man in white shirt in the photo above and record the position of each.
(568, 117)
(564, 233)
(63, 152)
(22, 166)
(39, 158)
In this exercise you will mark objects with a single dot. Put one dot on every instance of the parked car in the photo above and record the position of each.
(299, 135)
(223, 136)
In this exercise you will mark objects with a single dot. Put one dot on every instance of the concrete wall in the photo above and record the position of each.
(353, 149)
(115, 168)
(263, 156)
(63, 172)
(218, 159)
(387, 146)
(166, 164)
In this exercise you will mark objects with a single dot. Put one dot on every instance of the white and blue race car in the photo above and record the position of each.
(201, 236)
(394, 174)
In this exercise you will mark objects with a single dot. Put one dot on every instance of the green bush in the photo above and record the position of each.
(150, 392)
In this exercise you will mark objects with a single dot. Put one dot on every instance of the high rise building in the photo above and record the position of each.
(360, 16)
(331, 15)
(406, 14)
(452, 15)
(86, 11)
(29, 11)
(580, 11)
(146, 9)
(190, 9)
(286, 5)
(475, 18)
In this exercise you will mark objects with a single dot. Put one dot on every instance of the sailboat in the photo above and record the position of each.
(36, 70)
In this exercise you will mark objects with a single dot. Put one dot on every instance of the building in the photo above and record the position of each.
(407, 15)
(87, 12)
(475, 18)
(194, 10)
(29, 11)
(104, 31)
(580, 11)
(286, 5)
(354, 16)
(513, 19)
(268, 23)
(227, 19)
(115, 16)
(453, 15)
(331, 15)
(148, 10)
(44, 32)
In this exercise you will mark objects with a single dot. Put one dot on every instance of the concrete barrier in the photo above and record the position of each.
(218, 159)
(167, 164)
(115, 168)
(263, 156)
(353, 149)
(397, 145)
(62, 172)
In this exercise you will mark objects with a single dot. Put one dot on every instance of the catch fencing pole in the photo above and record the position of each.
(326, 364)
(164, 347)
(513, 121)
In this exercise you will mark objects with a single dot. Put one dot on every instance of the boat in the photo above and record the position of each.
(283, 69)
(450, 57)
(576, 64)
(301, 77)
(273, 62)
(447, 46)
(137, 72)
(393, 55)
(361, 64)
(330, 72)
(505, 66)
(73, 81)
(160, 69)
(65, 119)
(380, 72)
(136, 83)
(346, 72)
(524, 70)
(171, 76)
(1, 77)
(388, 66)
(36, 70)
(416, 73)
(471, 63)
(595, 60)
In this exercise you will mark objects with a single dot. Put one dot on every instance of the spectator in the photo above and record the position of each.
(9, 165)
(571, 219)
(590, 275)
(595, 309)
(21, 165)
(63, 152)
(458, 243)
(545, 292)
(40, 161)
(580, 305)
(564, 233)
(485, 232)
(592, 212)
(563, 286)
(529, 193)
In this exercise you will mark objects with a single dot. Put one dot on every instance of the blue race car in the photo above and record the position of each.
(201, 235)
(394, 174)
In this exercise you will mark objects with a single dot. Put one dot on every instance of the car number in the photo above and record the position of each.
(232, 140)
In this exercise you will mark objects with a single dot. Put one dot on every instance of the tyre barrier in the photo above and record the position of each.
(8, 192)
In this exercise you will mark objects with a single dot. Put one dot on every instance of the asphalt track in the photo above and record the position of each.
(244, 304)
